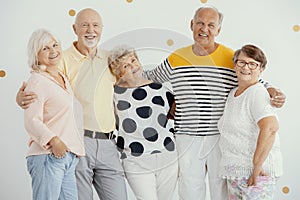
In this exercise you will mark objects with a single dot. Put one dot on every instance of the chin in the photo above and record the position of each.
(90, 44)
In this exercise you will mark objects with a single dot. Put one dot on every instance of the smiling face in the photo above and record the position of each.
(245, 69)
(88, 28)
(130, 68)
(206, 26)
(50, 54)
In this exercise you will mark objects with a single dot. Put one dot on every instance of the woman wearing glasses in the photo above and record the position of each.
(251, 158)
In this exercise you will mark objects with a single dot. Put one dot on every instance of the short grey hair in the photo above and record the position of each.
(36, 42)
(116, 56)
(87, 10)
(211, 7)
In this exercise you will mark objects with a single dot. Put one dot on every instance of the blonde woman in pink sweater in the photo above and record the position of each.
(53, 122)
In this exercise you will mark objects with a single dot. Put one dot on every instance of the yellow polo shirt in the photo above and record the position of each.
(92, 83)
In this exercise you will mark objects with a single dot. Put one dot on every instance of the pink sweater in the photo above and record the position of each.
(55, 112)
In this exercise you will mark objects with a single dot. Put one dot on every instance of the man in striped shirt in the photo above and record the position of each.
(201, 76)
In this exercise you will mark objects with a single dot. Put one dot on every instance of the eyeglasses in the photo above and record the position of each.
(242, 63)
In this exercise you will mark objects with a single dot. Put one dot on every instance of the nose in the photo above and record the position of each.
(130, 66)
(90, 28)
(204, 27)
(52, 49)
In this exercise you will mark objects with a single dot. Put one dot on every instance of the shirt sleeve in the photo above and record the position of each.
(33, 116)
(260, 105)
(265, 83)
(159, 74)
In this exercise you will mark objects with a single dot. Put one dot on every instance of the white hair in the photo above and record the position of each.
(37, 41)
(211, 7)
(116, 56)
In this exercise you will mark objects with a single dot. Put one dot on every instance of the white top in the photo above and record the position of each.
(142, 118)
(239, 133)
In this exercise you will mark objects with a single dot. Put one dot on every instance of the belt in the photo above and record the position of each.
(99, 135)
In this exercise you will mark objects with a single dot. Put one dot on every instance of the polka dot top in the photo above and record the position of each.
(141, 116)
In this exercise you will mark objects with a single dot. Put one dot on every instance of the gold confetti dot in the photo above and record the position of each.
(129, 1)
(296, 28)
(72, 12)
(2, 73)
(285, 190)
(203, 1)
(170, 42)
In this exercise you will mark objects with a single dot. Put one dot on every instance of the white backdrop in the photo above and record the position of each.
(158, 27)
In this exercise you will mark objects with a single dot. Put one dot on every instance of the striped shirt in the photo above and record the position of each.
(200, 84)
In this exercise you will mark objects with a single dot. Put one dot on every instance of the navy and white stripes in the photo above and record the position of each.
(200, 95)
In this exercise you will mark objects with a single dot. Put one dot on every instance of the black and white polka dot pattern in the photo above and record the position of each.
(142, 118)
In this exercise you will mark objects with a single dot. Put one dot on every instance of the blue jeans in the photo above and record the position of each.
(53, 178)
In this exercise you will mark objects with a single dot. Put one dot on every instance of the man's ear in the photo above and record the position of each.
(192, 24)
(74, 28)
(219, 30)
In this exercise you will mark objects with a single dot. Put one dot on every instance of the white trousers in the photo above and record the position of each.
(198, 156)
(152, 177)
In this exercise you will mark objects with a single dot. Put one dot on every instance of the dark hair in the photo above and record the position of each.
(252, 52)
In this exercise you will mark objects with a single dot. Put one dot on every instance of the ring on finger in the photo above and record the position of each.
(22, 102)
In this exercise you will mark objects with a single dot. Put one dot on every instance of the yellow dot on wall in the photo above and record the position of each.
(129, 1)
(285, 190)
(296, 28)
(203, 1)
(170, 42)
(72, 12)
(2, 73)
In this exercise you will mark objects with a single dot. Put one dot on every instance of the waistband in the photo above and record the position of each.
(99, 135)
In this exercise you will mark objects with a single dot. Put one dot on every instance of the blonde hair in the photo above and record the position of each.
(36, 42)
(116, 57)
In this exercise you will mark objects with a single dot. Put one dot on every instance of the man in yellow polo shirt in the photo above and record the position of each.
(86, 68)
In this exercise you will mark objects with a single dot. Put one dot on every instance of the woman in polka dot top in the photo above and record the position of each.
(148, 149)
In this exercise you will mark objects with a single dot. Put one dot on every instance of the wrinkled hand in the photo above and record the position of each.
(277, 97)
(24, 99)
(58, 147)
(257, 171)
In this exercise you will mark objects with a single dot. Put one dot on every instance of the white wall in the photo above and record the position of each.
(268, 24)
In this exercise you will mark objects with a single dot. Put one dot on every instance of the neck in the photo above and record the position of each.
(243, 86)
(134, 82)
(204, 51)
(89, 52)
(53, 71)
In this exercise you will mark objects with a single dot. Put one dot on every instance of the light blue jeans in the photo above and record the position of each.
(53, 178)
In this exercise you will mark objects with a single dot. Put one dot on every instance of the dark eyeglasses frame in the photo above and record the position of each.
(251, 65)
